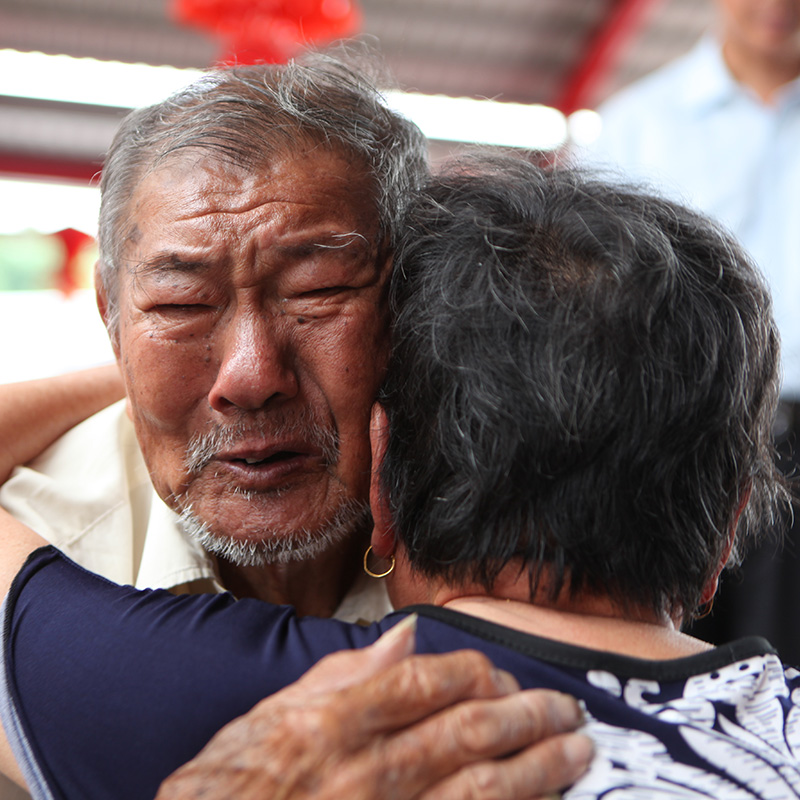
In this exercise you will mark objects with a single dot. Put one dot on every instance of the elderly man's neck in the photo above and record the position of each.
(315, 587)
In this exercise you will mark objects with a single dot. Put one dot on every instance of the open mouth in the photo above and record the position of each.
(281, 455)
(271, 470)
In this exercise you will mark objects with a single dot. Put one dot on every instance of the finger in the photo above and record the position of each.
(543, 769)
(478, 730)
(417, 688)
(436, 748)
(351, 667)
(395, 645)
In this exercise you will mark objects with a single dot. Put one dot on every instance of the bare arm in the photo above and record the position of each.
(17, 542)
(33, 414)
(375, 723)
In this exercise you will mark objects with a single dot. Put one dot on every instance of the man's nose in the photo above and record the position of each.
(256, 366)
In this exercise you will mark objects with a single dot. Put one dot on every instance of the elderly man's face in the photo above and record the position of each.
(253, 338)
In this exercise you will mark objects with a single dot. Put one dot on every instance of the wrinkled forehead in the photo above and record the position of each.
(313, 185)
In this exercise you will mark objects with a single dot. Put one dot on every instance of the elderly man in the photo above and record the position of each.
(245, 236)
(246, 233)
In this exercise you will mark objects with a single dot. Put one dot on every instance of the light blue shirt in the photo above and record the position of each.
(693, 132)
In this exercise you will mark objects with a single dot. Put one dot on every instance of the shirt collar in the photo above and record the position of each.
(713, 85)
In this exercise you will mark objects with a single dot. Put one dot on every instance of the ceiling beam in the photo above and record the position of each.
(25, 165)
(624, 21)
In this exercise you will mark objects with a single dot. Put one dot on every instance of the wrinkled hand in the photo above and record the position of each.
(375, 723)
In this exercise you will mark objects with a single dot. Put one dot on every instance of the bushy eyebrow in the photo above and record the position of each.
(352, 245)
(164, 263)
(342, 240)
(170, 263)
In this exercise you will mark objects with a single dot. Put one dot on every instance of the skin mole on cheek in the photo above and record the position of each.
(301, 320)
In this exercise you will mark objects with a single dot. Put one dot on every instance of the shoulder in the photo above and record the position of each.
(127, 671)
(77, 494)
(665, 85)
(91, 449)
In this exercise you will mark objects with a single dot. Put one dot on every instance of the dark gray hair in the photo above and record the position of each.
(245, 114)
(583, 376)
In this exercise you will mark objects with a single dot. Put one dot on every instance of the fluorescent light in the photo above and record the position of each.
(111, 83)
(86, 80)
(462, 119)
(47, 207)
(584, 126)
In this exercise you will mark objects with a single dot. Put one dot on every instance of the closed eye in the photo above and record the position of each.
(182, 308)
(323, 291)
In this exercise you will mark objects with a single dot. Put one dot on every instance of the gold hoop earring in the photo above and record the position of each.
(377, 574)
(709, 608)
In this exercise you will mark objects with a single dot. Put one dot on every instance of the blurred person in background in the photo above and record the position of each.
(719, 129)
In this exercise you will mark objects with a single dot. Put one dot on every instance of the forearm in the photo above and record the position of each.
(8, 765)
(17, 542)
(33, 414)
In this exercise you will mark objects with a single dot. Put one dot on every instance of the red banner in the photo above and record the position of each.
(269, 30)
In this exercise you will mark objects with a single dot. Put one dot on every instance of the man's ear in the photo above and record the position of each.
(710, 589)
(101, 297)
(383, 541)
(100, 292)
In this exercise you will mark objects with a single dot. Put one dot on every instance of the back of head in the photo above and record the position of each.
(583, 377)
(243, 115)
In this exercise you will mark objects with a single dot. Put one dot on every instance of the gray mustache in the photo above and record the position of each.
(304, 425)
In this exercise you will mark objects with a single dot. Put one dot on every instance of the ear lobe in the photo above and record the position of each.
(383, 538)
(101, 298)
(100, 293)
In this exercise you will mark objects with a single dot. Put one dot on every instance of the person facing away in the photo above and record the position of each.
(572, 440)
(718, 129)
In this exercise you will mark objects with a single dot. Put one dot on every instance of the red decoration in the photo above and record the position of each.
(68, 277)
(269, 30)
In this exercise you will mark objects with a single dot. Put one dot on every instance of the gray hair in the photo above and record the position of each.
(245, 114)
(583, 376)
